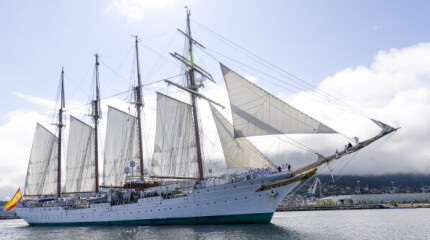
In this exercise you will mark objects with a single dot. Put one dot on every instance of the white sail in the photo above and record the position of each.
(80, 162)
(121, 146)
(42, 167)
(175, 150)
(238, 152)
(257, 112)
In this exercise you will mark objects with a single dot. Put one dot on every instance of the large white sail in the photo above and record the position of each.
(121, 146)
(175, 150)
(42, 166)
(80, 164)
(257, 112)
(238, 152)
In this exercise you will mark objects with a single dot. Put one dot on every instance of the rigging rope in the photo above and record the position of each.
(120, 93)
(281, 71)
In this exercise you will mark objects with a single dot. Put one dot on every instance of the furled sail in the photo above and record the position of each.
(175, 150)
(238, 152)
(80, 164)
(257, 112)
(42, 168)
(121, 146)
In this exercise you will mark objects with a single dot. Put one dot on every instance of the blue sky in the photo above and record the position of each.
(311, 39)
(374, 55)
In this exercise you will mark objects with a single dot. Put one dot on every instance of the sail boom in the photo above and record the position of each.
(195, 93)
(323, 160)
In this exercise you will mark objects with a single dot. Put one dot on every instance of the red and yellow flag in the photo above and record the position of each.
(14, 201)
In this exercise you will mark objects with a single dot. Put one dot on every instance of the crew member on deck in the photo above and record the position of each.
(356, 141)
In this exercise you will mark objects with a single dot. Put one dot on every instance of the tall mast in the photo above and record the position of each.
(96, 116)
(192, 85)
(139, 104)
(60, 126)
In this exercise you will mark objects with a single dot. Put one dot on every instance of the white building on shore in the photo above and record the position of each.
(376, 198)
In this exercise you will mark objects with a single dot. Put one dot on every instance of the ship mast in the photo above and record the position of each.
(60, 126)
(139, 104)
(96, 117)
(193, 86)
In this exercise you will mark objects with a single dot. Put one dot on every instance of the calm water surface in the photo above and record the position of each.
(348, 224)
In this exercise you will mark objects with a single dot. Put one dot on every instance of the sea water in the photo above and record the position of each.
(337, 224)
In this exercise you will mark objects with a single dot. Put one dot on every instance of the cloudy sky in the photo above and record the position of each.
(371, 57)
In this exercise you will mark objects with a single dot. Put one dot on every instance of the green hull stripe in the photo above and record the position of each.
(243, 218)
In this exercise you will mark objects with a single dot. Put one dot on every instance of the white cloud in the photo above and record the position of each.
(377, 27)
(134, 10)
(394, 89)
(251, 78)
(39, 101)
(15, 141)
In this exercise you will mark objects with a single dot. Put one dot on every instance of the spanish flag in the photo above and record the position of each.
(14, 201)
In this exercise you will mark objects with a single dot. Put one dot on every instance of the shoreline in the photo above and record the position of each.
(353, 207)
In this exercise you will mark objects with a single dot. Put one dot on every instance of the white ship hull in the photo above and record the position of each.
(252, 201)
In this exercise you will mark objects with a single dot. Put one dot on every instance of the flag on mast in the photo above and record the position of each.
(14, 201)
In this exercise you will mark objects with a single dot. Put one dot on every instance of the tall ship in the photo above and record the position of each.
(178, 188)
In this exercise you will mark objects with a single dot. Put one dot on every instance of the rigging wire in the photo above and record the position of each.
(264, 79)
(161, 55)
(120, 66)
(115, 72)
(124, 92)
(280, 70)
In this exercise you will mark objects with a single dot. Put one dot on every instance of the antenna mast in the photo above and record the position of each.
(96, 117)
(60, 126)
(193, 86)
(139, 104)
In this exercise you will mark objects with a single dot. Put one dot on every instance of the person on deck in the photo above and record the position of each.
(279, 169)
(349, 145)
(337, 154)
(289, 167)
(356, 141)
(346, 149)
